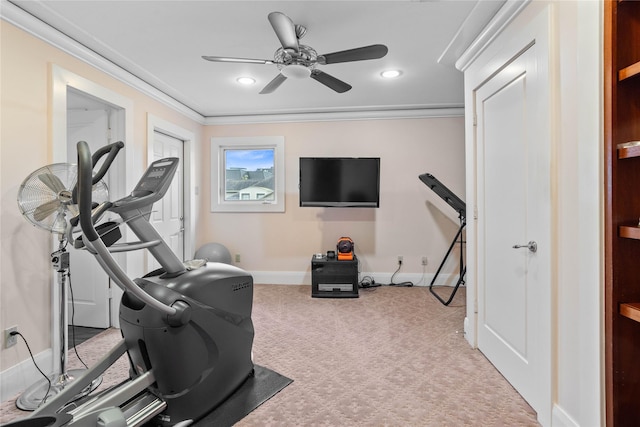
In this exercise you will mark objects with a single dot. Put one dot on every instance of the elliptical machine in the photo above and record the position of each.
(188, 332)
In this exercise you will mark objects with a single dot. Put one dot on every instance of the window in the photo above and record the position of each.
(247, 174)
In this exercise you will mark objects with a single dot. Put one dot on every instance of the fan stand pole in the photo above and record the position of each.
(38, 393)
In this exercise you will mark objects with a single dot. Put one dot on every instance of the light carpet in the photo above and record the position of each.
(392, 357)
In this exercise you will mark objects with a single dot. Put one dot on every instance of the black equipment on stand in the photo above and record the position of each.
(459, 206)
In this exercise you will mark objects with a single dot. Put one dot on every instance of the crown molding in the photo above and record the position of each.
(498, 23)
(12, 14)
(16, 16)
(414, 113)
(473, 25)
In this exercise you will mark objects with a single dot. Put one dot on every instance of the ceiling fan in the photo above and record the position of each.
(296, 60)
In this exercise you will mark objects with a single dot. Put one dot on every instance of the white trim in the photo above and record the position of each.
(499, 22)
(189, 185)
(217, 167)
(19, 377)
(559, 418)
(25, 21)
(414, 113)
(471, 27)
(304, 278)
(534, 27)
(61, 80)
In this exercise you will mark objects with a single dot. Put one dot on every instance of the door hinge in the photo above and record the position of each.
(475, 119)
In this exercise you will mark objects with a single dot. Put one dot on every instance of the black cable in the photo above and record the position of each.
(407, 284)
(73, 325)
(368, 282)
(36, 365)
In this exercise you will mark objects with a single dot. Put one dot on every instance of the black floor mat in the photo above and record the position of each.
(256, 390)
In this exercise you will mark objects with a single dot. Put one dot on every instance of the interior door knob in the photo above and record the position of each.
(532, 246)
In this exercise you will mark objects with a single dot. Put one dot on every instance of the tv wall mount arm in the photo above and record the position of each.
(459, 206)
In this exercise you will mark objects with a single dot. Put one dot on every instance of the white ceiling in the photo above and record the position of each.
(161, 42)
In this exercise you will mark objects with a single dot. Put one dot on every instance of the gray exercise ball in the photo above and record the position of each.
(214, 252)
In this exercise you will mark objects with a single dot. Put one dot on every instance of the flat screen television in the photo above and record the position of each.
(340, 182)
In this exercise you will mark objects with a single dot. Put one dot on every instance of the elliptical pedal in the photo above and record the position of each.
(143, 408)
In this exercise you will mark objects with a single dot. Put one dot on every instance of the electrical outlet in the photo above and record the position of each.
(424, 260)
(400, 258)
(10, 340)
(237, 257)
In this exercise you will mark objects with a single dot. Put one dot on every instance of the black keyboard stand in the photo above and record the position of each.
(463, 268)
(459, 206)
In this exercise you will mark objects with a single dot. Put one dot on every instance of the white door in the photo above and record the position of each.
(513, 210)
(90, 284)
(167, 213)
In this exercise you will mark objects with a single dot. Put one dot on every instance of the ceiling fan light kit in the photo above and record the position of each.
(296, 71)
(295, 60)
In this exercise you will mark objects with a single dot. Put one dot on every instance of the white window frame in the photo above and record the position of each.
(218, 147)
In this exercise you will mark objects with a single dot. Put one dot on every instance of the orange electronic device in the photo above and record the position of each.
(345, 249)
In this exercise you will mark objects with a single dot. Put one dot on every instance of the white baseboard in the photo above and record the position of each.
(304, 278)
(560, 418)
(19, 377)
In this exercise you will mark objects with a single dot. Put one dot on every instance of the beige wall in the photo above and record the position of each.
(25, 145)
(411, 221)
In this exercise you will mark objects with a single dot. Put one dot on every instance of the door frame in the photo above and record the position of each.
(498, 51)
(189, 189)
(62, 80)
(112, 120)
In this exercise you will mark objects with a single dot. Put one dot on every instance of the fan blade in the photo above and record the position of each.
(51, 181)
(375, 51)
(60, 224)
(73, 210)
(240, 60)
(330, 81)
(46, 209)
(273, 84)
(285, 30)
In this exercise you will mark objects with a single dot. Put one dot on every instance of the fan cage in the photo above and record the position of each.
(45, 201)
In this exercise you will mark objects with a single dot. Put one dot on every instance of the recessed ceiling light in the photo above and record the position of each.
(246, 80)
(390, 74)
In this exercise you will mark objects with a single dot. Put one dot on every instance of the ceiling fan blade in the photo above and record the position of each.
(52, 181)
(375, 51)
(285, 30)
(241, 60)
(330, 81)
(46, 209)
(273, 84)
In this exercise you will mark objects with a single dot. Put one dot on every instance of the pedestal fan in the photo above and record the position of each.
(46, 199)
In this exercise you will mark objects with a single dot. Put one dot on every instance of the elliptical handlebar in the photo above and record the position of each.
(85, 182)
(112, 150)
(85, 179)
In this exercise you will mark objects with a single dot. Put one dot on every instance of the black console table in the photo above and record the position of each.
(331, 278)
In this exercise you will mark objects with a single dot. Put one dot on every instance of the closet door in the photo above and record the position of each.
(513, 203)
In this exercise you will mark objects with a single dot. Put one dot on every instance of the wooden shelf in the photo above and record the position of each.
(621, 58)
(629, 149)
(630, 71)
(629, 232)
(631, 310)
